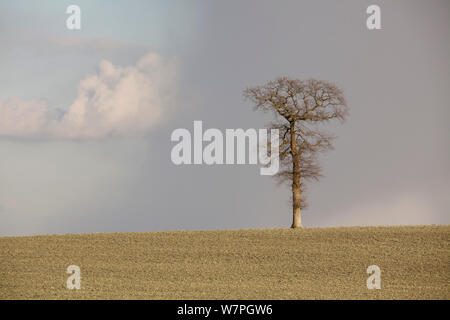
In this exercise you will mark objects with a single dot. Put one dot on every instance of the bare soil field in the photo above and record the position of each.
(316, 263)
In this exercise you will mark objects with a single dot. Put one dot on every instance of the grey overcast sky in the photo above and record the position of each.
(168, 63)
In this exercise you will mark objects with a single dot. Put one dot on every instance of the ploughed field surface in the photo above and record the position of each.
(322, 263)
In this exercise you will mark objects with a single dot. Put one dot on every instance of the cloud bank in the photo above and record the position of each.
(22, 118)
(116, 101)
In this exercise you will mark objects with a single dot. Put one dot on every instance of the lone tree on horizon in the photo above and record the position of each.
(300, 107)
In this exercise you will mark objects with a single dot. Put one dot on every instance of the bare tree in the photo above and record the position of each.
(300, 107)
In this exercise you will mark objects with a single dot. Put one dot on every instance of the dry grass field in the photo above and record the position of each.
(327, 263)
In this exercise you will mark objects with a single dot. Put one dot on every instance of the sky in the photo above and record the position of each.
(86, 115)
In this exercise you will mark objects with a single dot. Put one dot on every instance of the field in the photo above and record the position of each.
(322, 263)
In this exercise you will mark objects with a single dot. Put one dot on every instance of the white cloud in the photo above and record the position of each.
(117, 101)
(22, 118)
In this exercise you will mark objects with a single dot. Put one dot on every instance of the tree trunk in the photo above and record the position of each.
(296, 219)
